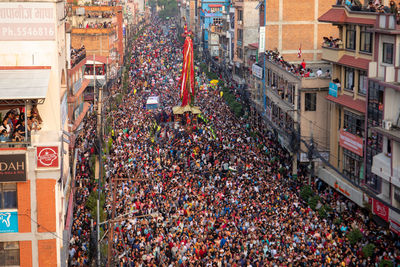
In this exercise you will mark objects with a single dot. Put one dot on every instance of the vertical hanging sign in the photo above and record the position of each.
(261, 41)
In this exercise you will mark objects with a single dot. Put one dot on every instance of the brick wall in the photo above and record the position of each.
(25, 253)
(24, 207)
(47, 253)
(46, 206)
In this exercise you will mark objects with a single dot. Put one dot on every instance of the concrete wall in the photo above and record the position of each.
(250, 22)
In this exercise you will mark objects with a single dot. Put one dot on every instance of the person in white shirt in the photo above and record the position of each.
(319, 72)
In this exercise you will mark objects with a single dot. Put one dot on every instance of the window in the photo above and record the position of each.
(362, 77)
(9, 254)
(240, 15)
(365, 40)
(352, 166)
(349, 83)
(240, 35)
(8, 196)
(351, 37)
(217, 21)
(387, 53)
(310, 102)
(354, 123)
(215, 9)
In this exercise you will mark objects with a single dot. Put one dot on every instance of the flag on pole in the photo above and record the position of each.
(299, 53)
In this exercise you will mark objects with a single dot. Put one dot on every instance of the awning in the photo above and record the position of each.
(350, 61)
(340, 16)
(19, 85)
(253, 46)
(348, 101)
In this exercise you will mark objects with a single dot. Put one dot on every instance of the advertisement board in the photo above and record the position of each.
(9, 222)
(27, 21)
(257, 71)
(380, 209)
(351, 142)
(333, 89)
(12, 168)
(47, 156)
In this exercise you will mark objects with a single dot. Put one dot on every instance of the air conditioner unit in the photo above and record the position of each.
(387, 125)
(239, 22)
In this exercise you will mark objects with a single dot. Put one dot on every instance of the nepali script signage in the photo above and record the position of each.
(9, 222)
(257, 71)
(12, 168)
(351, 142)
(27, 21)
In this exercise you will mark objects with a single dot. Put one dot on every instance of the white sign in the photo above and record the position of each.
(261, 41)
(27, 21)
(257, 71)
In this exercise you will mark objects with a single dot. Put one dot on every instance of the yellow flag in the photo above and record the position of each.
(134, 91)
(221, 93)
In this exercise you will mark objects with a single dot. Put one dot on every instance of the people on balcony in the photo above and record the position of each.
(77, 55)
(332, 42)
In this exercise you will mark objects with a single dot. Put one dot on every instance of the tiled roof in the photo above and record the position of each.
(348, 101)
(339, 15)
(350, 61)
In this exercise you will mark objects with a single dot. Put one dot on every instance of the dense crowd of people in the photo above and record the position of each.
(77, 55)
(202, 191)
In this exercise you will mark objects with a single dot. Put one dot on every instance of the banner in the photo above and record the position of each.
(12, 168)
(351, 142)
(261, 40)
(380, 209)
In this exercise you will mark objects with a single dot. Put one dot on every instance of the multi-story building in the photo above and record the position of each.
(100, 30)
(382, 149)
(350, 54)
(293, 25)
(34, 173)
(246, 32)
(295, 107)
(212, 13)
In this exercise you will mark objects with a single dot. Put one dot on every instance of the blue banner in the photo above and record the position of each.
(333, 89)
(9, 222)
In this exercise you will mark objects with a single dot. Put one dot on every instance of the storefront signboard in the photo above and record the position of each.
(394, 227)
(261, 40)
(351, 142)
(12, 168)
(333, 89)
(47, 157)
(380, 209)
(24, 21)
(9, 222)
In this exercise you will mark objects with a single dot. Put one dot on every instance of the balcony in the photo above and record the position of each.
(93, 31)
(332, 53)
(381, 166)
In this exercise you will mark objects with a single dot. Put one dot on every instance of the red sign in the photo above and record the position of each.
(395, 227)
(351, 142)
(380, 209)
(47, 157)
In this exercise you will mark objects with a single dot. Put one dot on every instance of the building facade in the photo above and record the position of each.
(34, 177)
(293, 25)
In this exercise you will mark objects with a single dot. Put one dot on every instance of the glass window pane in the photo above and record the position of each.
(10, 199)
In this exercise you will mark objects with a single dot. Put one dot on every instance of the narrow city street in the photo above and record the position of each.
(205, 189)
